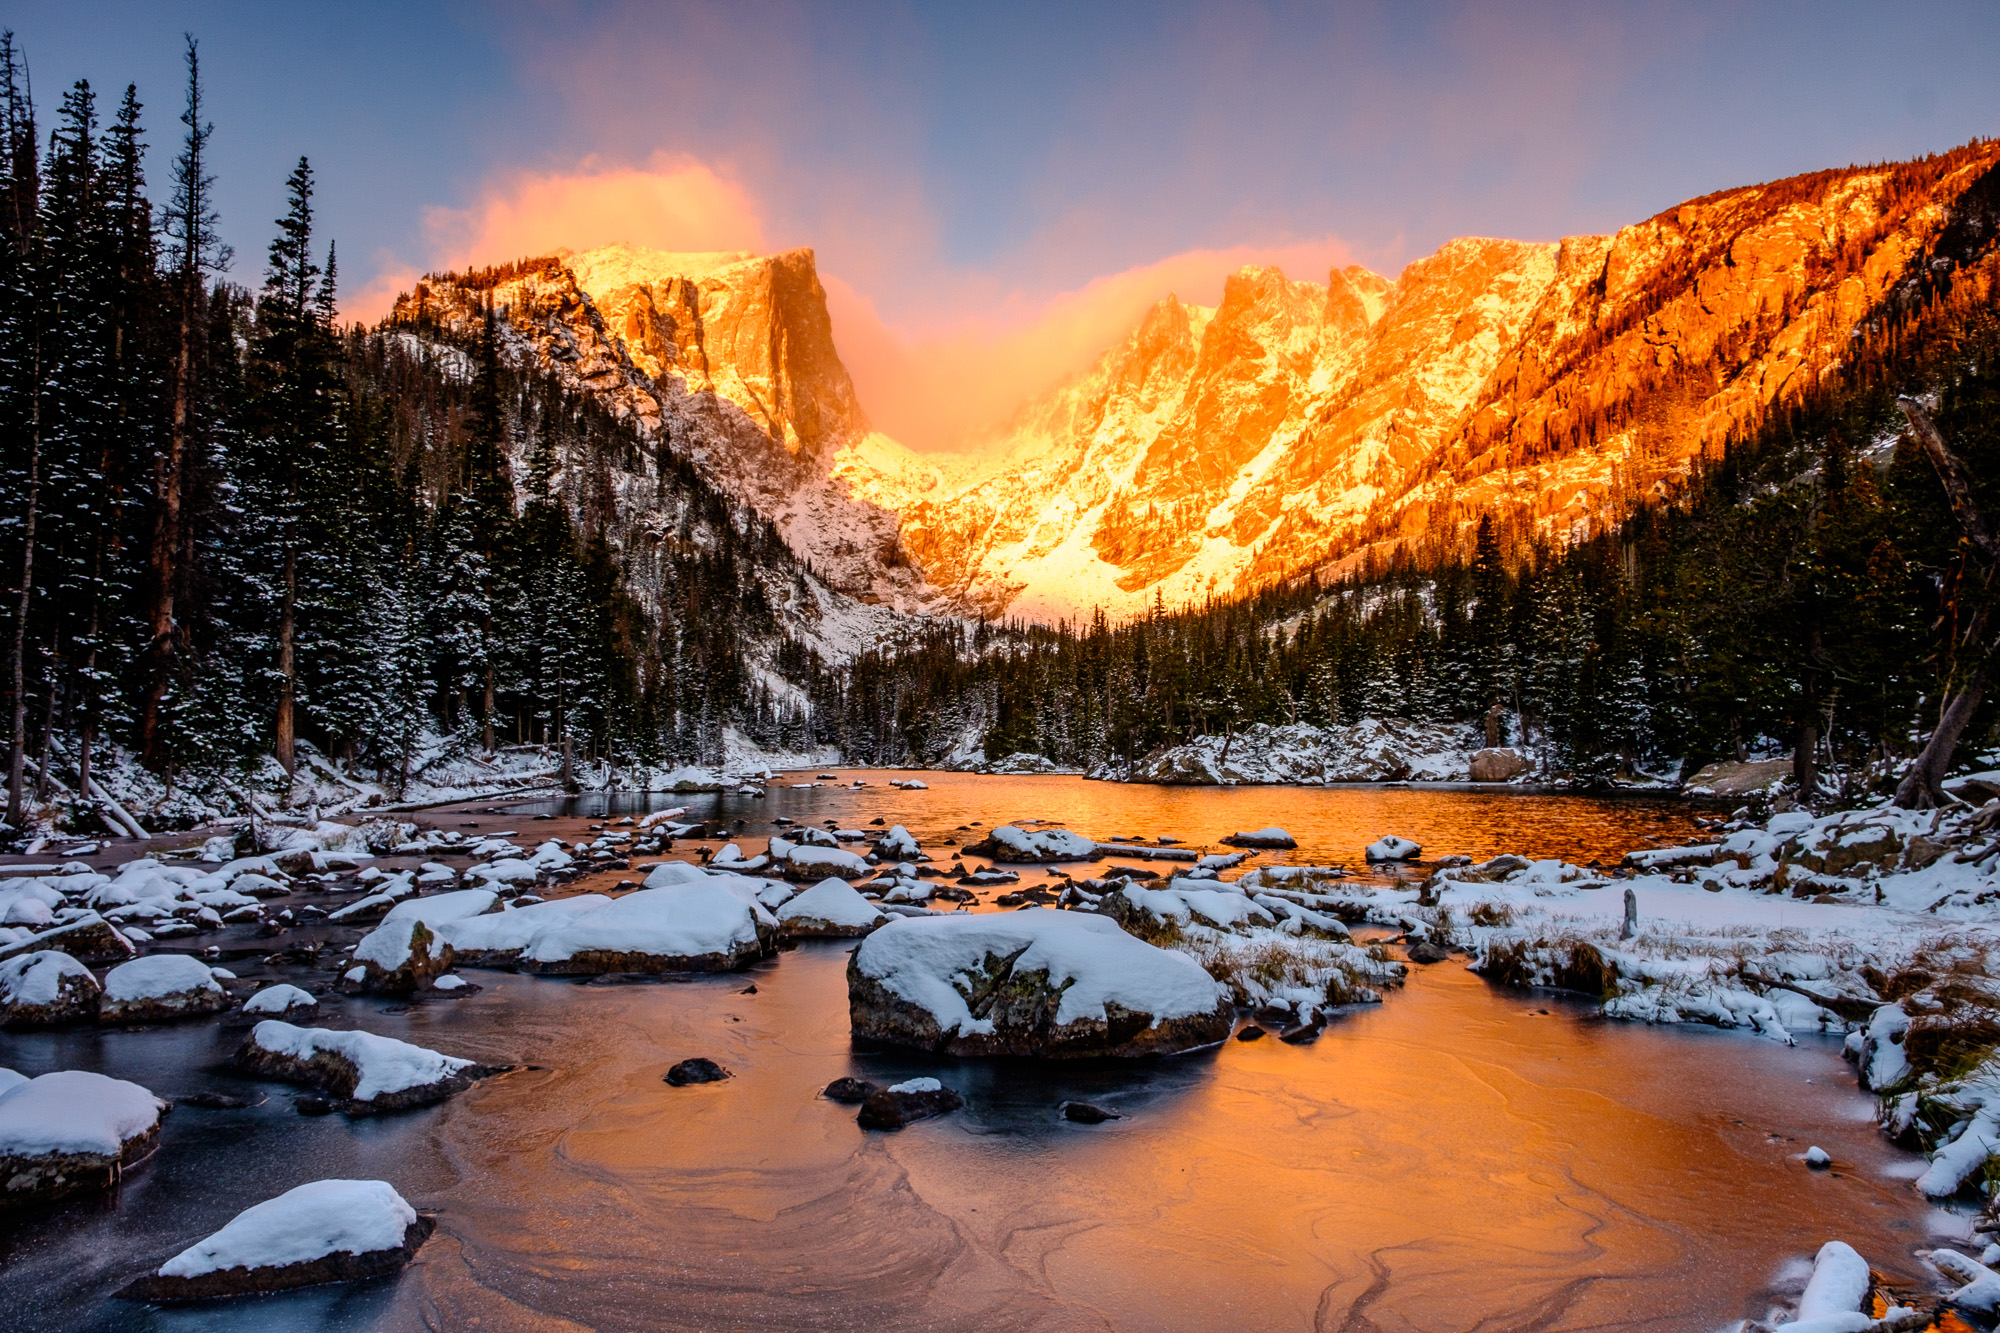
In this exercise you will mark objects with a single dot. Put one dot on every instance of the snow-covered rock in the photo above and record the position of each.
(89, 939)
(698, 927)
(72, 1132)
(496, 939)
(808, 864)
(44, 988)
(1034, 982)
(324, 1231)
(402, 955)
(1033, 846)
(159, 987)
(1838, 1285)
(830, 909)
(1263, 837)
(364, 1071)
(898, 843)
(280, 1001)
(1389, 847)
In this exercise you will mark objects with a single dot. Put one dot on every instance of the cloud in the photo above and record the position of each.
(673, 202)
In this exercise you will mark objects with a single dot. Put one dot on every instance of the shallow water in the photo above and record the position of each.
(1459, 1157)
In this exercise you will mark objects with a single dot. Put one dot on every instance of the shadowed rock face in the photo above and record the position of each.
(1022, 1007)
(340, 1266)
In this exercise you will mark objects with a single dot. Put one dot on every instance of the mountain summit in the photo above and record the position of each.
(1295, 426)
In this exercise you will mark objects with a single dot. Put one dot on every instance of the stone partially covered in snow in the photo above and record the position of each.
(363, 1071)
(401, 956)
(325, 1231)
(1494, 765)
(906, 1102)
(44, 988)
(1264, 837)
(280, 1001)
(1033, 982)
(496, 939)
(830, 909)
(89, 939)
(160, 987)
(798, 861)
(1033, 846)
(698, 927)
(898, 843)
(72, 1132)
(1392, 848)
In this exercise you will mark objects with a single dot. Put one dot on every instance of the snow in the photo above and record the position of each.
(36, 978)
(159, 975)
(833, 901)
(450, 981)
(898, 843)
(920, 959)
(513, 930)
(10, 1080)
(818, 860)
(1045, 844)
(388, 946)
(1839, 1282)
(916, 1085)
(277, 999)
(74, 1111)
(308, 1222)
(681, 920)
(386, 1064)
(440, 908)
(1980, 1291)
(1392, 848)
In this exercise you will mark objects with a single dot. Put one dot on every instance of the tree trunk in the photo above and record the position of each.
(163, 560)
(18, 752)
(1805, 759)
(283, 743)
(1922, 788)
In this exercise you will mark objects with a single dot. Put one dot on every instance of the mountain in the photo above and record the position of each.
(1295, 426)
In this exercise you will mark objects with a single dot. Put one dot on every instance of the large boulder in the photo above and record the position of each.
(362, 1071)
(325, 1231)
(830, 909)
(45, 988)
(1034, 982)
(1275, 838)
(72, 1132)
(89, 939)
(401, 955)
(804, 863)
(698, 927)
(1751, 778)
(160, 987)
(1493, 765)
(1033, 846)
(496, 939)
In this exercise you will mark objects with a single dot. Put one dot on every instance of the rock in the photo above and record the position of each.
(213, 1101)
(1034, 982)
(803, 863)
(905, 1103)
(1752, 778)
(830, 909)
(1083, 1113)
(1271, 838)
(497, 939)
(160, 987)
(1032, 846)
(1250, 1032)
(697, 927)
(44, 988)
(1818, 1158)
(1302, 1034)
(1494, 765)
(696, 1070)
(1922, 851)
(402, 955)
(72, 1132)
(88, 939)
(850, 1091)
(280, 1001)
(1392, 848)
(312, 1106)
(360, 1071)
(1423, 951)
(325, 1231)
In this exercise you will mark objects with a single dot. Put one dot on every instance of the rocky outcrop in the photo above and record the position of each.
(1495, 765)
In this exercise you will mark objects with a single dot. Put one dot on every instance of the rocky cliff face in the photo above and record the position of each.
(1295, 426)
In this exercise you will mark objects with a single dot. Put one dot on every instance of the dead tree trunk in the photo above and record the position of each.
(1922, 787)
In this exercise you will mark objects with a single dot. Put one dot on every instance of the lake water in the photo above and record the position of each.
(1458, 1157)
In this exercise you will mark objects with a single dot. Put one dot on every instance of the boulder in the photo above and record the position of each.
(402, 955)
(497, 939)
(1752, 778)
(325, 1231)
(1274, 838)
(905, 1103)
(88, 939)
(1036, 982)
(280, 1001)
(1392, 848)
(72, 1132)
(1494, 765)
(699, 927)
(851, 1091)
(1033, 846)
(1083, 1113)
(830, 909)
(160, 987)
(45, 988)
(697, 1070)
(808, 864)
(361, 1071)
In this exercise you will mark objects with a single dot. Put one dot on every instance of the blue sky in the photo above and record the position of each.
(964, 170)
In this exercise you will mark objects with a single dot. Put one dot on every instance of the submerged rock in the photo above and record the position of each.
(906, 1103)
(44, 988)
(852, 1091)
(325, 1231)
(697, 1070)
(163, 986)
(1034, 982)
(72, 1132)
(1083, 1113)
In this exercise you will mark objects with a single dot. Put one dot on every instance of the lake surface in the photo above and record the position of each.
(1459, 1157)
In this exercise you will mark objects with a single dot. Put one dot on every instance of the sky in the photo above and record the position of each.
(996, 193)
